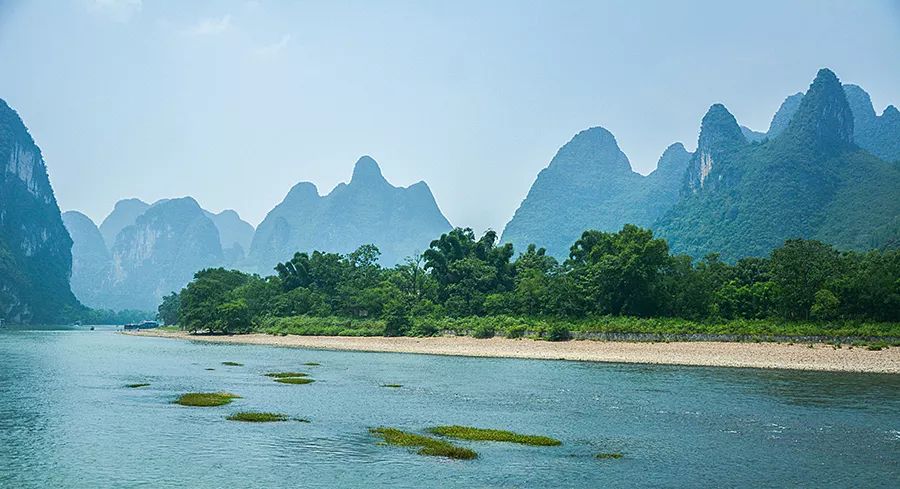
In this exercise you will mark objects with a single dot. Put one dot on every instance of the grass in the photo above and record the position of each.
(233, 364)
(206, 399)
(294, 380)
(251, 417)
(606, 456)
(479, 434)
(427, 445)
(283, 375)
(392, 386)
(135, 386)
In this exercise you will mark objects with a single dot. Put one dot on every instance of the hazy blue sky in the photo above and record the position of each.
(233, 102)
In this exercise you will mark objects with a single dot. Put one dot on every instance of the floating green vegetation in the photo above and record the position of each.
(233, 364)
(209, 369)
(302, 420)
(251, 417)
(294, 380)
(605, 456)
(312, 364)
(206, 399)
(284, 375)
(392, 386)
(427, 445)
(135, 386)
(479, 434)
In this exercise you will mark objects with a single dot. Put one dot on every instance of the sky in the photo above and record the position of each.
(234, 102)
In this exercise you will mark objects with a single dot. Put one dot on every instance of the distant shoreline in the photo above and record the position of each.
(820, 357)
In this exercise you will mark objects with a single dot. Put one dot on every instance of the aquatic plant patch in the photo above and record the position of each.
(294, 380)
(427, 445)
(206, 399)
(480, 434)
(284, 375)
(392, 386)
(312, 364)
(253, 417)
(136, 386)
(233, 364)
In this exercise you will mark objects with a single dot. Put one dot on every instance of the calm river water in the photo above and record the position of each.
(67, 420)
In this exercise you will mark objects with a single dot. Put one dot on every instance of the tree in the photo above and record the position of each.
(801, 268)
(168, 309)
(620, 273)
(825, 305)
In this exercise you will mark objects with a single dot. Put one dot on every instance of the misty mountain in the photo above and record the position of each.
(815, 173)
(368, 210)
(123, 215)
(590, 184)
(811, 181)
(160, 253)
(91, 260)
(156, 248)
(878, 134)
(35, 256)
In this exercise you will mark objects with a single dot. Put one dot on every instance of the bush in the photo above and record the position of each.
(515, 331)
(424, 328)
(483, 331)
(557, 332)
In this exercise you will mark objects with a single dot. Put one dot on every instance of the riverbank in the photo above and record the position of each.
(820, 357)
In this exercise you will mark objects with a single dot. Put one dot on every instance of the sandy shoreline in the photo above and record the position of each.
(714, 354)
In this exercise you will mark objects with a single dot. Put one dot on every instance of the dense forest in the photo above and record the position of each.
(625, 281)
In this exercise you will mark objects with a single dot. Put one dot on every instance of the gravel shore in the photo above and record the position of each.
(718, 354)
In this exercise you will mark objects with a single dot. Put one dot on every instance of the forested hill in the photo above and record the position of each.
(35, 249)
(368, 210)
(811, 181)
(826, 169)
(590, 185)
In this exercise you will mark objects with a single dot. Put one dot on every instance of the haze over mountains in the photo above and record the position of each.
(827, 168)
(142, 252)
(367, 210)
(816, 173)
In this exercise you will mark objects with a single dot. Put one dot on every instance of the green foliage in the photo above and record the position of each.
(168, 309)
(232, 364)
(825, 305)
(137, 386)
(294, 380)
(206, 399)
(556, 332)
(481, 434)
(427, 445)
(282, 375)
(623, 282)
(483, 331)
(254, 417)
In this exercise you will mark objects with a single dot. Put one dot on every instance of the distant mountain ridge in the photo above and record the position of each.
(368, 210)
(590, 184)
(155, 249)
(823, 170)
(35, 248)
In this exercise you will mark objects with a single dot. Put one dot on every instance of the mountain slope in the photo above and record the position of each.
(368, 210)
(91, 260)
(810, 181)
(160, 253)
(35, 256)
(589, 184)
(123, 215)
(880, 135)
